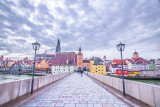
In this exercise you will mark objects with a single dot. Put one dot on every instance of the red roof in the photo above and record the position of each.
(65, 58)
(138, 60)
(118, 61)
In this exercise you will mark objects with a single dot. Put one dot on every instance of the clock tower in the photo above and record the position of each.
(80, 60)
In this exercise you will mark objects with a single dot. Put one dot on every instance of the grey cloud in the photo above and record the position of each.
(22, 41)
(113, 21)
(26, 4)
(71, 2)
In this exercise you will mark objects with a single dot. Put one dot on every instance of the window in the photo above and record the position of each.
(79, 58)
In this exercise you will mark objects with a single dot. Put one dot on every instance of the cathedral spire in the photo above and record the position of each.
(58, 43)
(58, 47)
(80, 49)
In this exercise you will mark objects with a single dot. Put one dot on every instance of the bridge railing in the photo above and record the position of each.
(147, 93)
(14, 89)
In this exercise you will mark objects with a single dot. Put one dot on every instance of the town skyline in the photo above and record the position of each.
(54, 53)
(98, 26)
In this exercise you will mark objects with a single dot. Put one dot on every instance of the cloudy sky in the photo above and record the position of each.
(97, 25)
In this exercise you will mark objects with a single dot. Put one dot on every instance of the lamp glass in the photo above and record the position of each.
(121, 47)
(36, 46)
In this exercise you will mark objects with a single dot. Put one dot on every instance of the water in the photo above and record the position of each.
(9, 78)
(154, 82)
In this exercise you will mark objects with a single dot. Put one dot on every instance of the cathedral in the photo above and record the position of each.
(66, 61)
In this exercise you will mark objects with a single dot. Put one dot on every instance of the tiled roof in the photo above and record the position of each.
(137, 61)
(118, 61)
(86, 61)
(97, 60)
(114, 65)
(65, 58)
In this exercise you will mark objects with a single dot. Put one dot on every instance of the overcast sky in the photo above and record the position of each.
(97, 25)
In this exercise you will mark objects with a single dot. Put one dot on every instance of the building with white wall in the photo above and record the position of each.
(157, 64)
(62, 69)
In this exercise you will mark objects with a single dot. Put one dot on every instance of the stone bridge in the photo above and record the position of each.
(76, 90)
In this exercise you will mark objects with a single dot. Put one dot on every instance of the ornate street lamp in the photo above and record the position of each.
(36, 46)
(120, 48)
(87, 69)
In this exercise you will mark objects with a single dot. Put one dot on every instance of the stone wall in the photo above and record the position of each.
(12, 90)
(147, 93)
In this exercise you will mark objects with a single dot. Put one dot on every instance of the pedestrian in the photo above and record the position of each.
(81, 73)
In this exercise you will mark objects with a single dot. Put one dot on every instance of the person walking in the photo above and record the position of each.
(81, 71)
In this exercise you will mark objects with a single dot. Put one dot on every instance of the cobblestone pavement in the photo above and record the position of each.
(76, 91)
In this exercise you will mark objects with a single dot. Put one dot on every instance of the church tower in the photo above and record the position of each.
(80, 60)
(135, 55)
(58, 47)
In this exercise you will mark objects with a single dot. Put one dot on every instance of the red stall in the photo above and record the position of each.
(119, 72)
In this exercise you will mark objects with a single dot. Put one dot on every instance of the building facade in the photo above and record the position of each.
(62, 69)
(98, 69)
(157, 64)
(64, 62)
(42, 66)
(97, 66)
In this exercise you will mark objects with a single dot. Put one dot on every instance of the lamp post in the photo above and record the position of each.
(120, 48)
(87, 69)
(36, 46)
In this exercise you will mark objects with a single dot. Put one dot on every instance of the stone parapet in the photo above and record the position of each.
(12, 90)
(147, 93)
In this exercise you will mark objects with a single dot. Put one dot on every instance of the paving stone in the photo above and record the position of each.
(74, 102)
(59, 105)
(57, 101)
(102, 102)
(49, 104)
(95, 99)
(92, 102)
(107, 105)
(97, 105)
(83, 102)
(66, 102)
(116, 105)
(81, 105)
(70, 105)
(89, 105)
